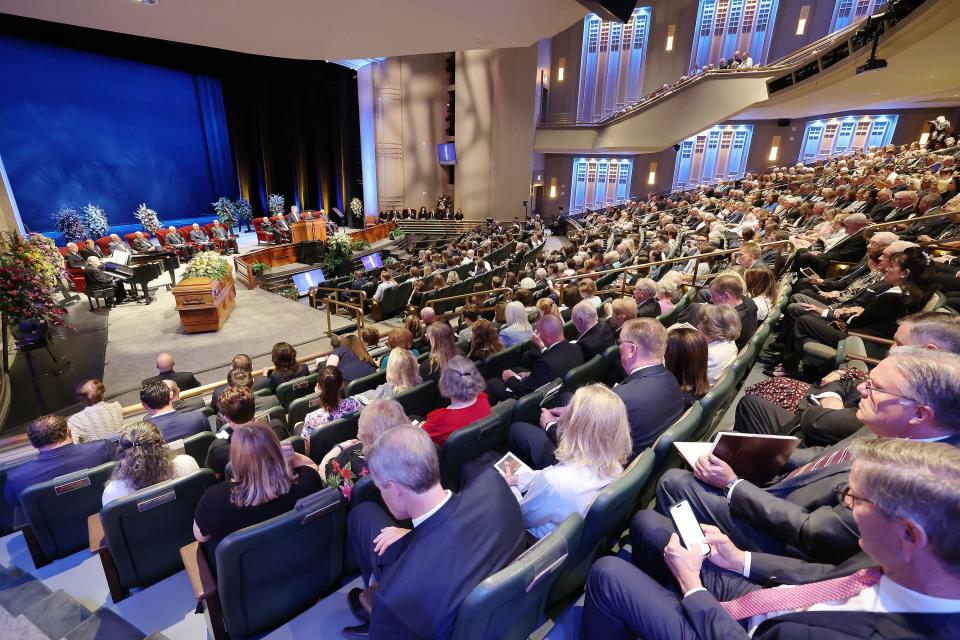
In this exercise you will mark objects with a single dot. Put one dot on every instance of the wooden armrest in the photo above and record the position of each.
(861, 358)
(202, 582)
(95, 533)
(869, 338)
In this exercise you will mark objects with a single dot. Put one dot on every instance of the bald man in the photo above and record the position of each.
(165, 365)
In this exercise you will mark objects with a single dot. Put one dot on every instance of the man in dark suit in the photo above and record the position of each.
(548, 358)
(907, 522)
(73, 258)
(98, 281)
(645, 293)
(850, 248)
(165, 364)
(905, 206)
(797, 513)
(175, 242)
(90, 248)
(200, 238)
(728, 289)
(142, 244)
(282, 229)
(195, 403)
(223, 238)
(293, 216)
(158, 403)
(58, 456)
(412, 599)
(595, 336)
(650, 392)
(882, 207)
(241, 378)
(118, 244)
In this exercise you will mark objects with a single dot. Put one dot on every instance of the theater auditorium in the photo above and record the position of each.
(489, 320)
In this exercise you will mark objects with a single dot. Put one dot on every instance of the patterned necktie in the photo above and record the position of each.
(837, 457)
(801, 596)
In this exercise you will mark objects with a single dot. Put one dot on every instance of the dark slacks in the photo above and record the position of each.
(531, 444)
(813, 328)
(623, 602)
(363, 525)
(818, 263)
(759, 415)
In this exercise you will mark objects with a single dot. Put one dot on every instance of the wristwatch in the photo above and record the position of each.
(729, 487)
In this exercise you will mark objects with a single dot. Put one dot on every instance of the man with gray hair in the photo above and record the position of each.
(457, 540)
(594, 336)
(848, 246)
(905, 205)
(913, 393)
(73, 258)
(645, 293)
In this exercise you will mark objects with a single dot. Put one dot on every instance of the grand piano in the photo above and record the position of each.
(142, 269)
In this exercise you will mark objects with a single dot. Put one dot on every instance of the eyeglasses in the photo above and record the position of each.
(846, 498)
(870, 388)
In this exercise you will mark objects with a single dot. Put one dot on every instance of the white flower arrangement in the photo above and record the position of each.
(147, 217)
(206, 264)
(95, 220)
(356, 205)
(275, 204)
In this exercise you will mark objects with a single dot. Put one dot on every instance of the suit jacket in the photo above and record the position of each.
(96, 278)
(142, 244)
(654, 402)
(176, 425)
(900, 214)
(545, 367)
(173, 238)
(184, 379)
(119, 246)
(596, 340)
(189, 404)
(649, 309)
(281, 224)
(199, 236)
(86, 253)
(219, 232)
(880, 211)
(53, 463)
(850, 249)
(75, 260)
(475, 534)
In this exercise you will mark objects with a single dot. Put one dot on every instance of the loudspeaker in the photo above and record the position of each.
(615, 10)
(784, 122)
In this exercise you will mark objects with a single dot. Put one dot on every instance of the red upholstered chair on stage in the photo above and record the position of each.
(75, 275)
(104, 244)
(264, 237)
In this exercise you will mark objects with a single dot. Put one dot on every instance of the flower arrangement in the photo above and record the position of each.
(343, 477)
(275, 204)
(339, 250)
(243, 210)
(70, 224)
(226, 211)
(206, 264)
(28, 272)
(95, 220)
(356, 205)
(148, 218)
(444, 203)
(389, 262)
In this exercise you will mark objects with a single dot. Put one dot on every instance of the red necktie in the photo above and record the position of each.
(837, 457)
(801, 596)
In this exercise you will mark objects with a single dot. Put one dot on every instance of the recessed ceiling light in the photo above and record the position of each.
(145, 3)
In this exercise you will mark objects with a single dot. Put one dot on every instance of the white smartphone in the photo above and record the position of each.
(687, 526)
(810, 273)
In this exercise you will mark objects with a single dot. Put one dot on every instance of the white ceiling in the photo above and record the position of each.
(319, 29)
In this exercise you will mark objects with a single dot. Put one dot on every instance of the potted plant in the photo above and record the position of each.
(244, 213)
(227, 213)
(396, 234)
(339, 253)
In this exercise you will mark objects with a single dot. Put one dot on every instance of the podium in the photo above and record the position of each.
(309, 230)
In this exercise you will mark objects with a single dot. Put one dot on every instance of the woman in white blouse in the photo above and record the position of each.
(594, 446)
(721, 326)
(143, 460)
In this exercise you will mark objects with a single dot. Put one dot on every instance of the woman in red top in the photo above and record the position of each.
(463, 385)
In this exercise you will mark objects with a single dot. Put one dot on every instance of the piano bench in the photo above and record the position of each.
(107, 295)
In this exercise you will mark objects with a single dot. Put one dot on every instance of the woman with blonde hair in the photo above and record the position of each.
(461, 384)
(402, 375)
(143, 460)
(398, 338)
(485, 340)
(268, 480)
(518, 327)
(352, 358)
(594, 445)
(443, 347)
(546, 306)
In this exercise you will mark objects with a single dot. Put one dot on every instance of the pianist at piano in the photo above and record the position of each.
(98, 281)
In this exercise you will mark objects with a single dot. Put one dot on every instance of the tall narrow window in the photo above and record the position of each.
(598, 182)
(716, 154)
(828, 138)
(727, 26)
(611, 68)
(846, 12)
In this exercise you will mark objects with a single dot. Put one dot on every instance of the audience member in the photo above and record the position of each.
(195, 403)
(485, 341)
(98, 419)
(402, 375)
(518, 328)
(157, 401)
(686, 357)
(165, 364)
(143, 460)
(549, 357)
(352, 358)
(720, 325)
(464, 387)
(333, 405)
(285, 365)
(399, 338)
(443, 347)
(594, 336)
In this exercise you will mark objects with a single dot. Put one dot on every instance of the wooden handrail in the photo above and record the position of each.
(862, 358)
(884, 225)
(869, 338)
(462, 296)
(313, 294)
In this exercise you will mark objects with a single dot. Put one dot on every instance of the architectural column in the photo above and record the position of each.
(9, 215)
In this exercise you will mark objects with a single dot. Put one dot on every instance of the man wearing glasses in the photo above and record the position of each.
(912, 394)
(904, 497)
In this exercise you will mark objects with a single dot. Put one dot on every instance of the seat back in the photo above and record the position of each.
(269, 573)
(366, 383)
(590, 371)
(494, 366)
(509, 604)
(665, 454)
(713, 404)
(470, 442)
(332, 433)
(528, 407)
(145, 530)
(289, 391)
(420, 400)
(196, 446)
(300, 407)
(604, 521)
(57, 510)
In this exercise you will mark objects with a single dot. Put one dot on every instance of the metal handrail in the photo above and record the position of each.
(883, 225)
(313, 293)
(429, 301)
(340, 303)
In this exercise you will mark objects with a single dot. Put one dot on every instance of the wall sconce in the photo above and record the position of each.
(774, 149)
(561, 67)
(671, 34)
(652, 175)
(802, 22)
(553, 187)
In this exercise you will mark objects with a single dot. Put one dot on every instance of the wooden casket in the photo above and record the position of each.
(204, 304)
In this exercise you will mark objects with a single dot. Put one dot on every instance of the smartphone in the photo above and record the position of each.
(687, 526)
(810, 273)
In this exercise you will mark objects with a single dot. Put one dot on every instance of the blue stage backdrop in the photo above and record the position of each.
(77, 127)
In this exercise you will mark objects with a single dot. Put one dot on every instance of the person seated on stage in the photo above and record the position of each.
(913, 393)
(386, 282)
(58, 456)
(285, 365)
(241, 361)
(412, 598)
(333, 405)
(190, 404)
(352, 358)
(99, 282)
(142, 244)
(686, 358)
(243, 379)
(90, 248)
(143, 460)
(594, 446)
(294, 215)
(175, 241)
(282, 228)
(165, 365)
(402, 375)
(73, 258)
(464, 387)
(200, 238)
(268, 480)
(117, 244)
(399, 338)
(156, 400)
(223, 238)
(904, 580)
(549, 357)
(98, 419)
(594, 336)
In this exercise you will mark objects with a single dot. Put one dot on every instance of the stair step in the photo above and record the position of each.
(19, 627)
(21, 594)
(8, 575)
(105, 624)
(57, 614)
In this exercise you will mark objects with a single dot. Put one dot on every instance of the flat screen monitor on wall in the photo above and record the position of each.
(372, 261)
(447, 153)
(303, 281)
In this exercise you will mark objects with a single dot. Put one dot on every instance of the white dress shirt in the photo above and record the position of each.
(420, 520)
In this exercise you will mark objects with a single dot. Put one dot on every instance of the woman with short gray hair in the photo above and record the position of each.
(464, 386)
(720, 324)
